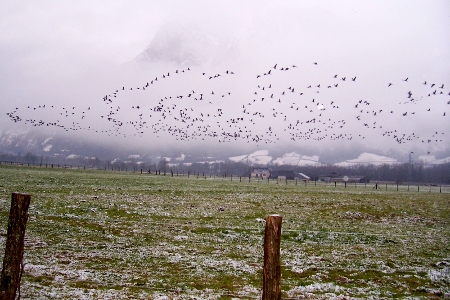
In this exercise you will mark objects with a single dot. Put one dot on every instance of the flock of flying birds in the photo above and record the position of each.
(268, 112)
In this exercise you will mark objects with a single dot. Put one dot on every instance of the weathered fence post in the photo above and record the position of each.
(272, 263)
(14, 247)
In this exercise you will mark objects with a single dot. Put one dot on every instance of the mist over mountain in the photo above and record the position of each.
(302, 84)
(64, 148)
(183, 44)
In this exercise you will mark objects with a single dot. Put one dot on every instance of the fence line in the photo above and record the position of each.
(381, 186)
(376, 186)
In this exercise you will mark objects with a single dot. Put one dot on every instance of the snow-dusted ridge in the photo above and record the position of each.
(260, 157)
(296, 159)
(431, 160)
(368, 159)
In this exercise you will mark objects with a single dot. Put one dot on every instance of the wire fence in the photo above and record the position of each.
(376, 186)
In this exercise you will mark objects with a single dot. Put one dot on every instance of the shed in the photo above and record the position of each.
(283, 175)
(260, 173)
(327, 177)
(351, 179)
(303, 177)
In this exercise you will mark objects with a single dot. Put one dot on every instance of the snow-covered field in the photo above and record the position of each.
(111, 235)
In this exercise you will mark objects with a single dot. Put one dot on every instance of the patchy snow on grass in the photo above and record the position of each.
(115, 235)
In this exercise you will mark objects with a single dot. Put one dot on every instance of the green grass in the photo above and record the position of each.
(100, 234)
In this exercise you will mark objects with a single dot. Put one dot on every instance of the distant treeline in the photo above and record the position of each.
(398, 173)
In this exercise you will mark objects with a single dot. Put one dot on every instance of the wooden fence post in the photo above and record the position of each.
(14, 248)
(272, 264)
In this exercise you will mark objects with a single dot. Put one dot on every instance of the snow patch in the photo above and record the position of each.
(260, 157)
(181, 158)
(48, 147)
(296, 159)
(431, 160)
(46, 141)
(368, 159)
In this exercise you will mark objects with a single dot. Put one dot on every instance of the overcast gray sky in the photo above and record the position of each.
(73, 53)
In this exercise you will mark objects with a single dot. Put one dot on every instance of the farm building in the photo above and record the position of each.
(283, 175)
(303, 177)
(327, 177)
(289, 175)
(335, 177)
(352, 179)
(260, 173)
